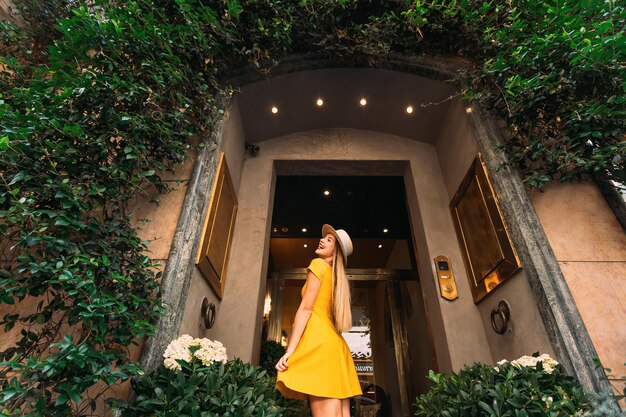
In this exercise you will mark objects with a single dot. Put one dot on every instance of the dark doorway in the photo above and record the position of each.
(390, 339)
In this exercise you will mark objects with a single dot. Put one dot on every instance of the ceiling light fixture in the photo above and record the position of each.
(326, 192)
(385, 230)
(380, 246)
(274, 109)
(319, 102)
(304, 229)
(306, 246)
(363, 102)
(409, 109)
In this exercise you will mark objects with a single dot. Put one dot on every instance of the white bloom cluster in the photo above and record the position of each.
(548, 363)
(206, 351)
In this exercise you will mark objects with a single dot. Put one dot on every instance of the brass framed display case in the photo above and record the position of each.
(218, 230)
(488, 252)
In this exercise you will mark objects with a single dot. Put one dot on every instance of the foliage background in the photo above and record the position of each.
(99, 97)
(505, 390)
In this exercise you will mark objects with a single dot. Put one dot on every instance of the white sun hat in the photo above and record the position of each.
(345, 243)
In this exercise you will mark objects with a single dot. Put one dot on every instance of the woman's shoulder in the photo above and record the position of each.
(319, 262)
(319, 267)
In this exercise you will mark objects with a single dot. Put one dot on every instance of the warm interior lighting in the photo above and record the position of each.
(304, 229)
(268, 306)
(306, 246)
(363, 102)
(319, 102)
(274, 109)
(326, 192)
(468, 110)
(380, 246)
(409, 109)
(385, 230)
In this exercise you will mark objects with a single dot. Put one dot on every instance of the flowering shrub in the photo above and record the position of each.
(197, 380)
(185, 348)
(528, 386)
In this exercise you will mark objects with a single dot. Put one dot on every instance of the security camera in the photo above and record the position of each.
(253, 148)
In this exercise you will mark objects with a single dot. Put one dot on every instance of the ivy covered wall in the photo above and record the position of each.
(97, 98)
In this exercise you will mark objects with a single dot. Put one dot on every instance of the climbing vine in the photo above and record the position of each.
(99, 98)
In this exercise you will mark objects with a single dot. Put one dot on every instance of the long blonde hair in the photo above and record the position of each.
(341, 294)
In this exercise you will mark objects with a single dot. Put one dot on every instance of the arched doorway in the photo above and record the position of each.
(431, 150)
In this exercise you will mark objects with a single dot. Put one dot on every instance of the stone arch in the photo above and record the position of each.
(564, 327)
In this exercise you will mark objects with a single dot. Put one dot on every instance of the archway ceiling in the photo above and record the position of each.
(388, 93)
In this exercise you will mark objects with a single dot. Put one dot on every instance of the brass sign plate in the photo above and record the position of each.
(488, 252)
(447, 283)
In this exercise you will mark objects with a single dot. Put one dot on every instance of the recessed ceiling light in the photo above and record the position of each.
(319, 102)
(380, 246)
(409, 109)
(363, 101)
(306, 246)
(274, 109)
(385, 230)
(326, 192)
(304, 229)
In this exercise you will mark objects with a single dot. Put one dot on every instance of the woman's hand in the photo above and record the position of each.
(281, 365)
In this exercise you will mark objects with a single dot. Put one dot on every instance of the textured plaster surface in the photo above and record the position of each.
(591, 249)
(526, 334)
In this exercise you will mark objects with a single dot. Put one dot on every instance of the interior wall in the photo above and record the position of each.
(591, 250)
(457, 149)
(399, 258)
(241, 309)
(421, 355)
(383, 350)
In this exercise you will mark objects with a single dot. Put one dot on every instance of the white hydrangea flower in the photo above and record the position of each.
(206, 351)
(549, 364)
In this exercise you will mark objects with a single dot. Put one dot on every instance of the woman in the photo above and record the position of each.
(318, 364)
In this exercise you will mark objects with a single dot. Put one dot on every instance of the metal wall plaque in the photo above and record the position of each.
(488, 251)
(218, 230)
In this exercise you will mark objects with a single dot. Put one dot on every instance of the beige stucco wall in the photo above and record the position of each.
(7, 9)
(241, 308)
(457, 148)
(590, 246)
(233, 148)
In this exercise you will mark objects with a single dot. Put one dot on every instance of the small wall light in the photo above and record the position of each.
(385, 230)
(326, 192)
(319, 102)
(409, 109)
(306, 246)
(274, 109)
(380, 246)
(304, 229)
(363, 102)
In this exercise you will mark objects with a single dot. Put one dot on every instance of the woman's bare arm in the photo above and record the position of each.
(313, 285)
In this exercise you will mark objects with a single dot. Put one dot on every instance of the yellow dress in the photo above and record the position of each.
(322, 364)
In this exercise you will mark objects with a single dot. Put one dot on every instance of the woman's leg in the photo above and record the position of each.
(345, 407)
(327, 407)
